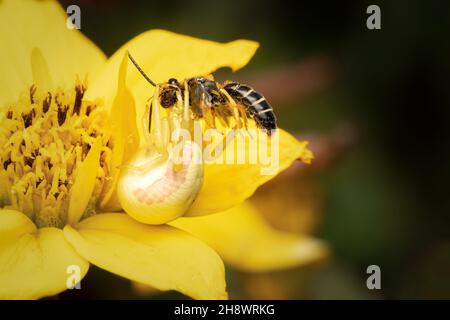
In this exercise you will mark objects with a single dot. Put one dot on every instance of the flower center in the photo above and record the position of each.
(44, 138)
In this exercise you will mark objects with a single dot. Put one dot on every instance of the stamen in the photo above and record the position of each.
(79, 89)
(43, 143)
(62, 114)
(28, 118)
(6, 164)
(46, 103)
(32, 93)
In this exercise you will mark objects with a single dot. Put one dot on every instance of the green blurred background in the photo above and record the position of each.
(377, 102)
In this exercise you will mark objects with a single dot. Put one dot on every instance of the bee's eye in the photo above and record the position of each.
(173, 81)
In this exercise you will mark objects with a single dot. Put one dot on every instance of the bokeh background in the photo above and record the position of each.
(375, 105)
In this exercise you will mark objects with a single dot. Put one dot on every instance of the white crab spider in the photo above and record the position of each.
(164, 177)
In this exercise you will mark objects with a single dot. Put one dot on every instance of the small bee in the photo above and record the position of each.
(209, 100)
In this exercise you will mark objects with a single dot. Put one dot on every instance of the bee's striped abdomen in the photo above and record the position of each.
(255, 103)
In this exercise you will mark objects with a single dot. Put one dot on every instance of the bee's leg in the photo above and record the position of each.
(223, 119)
(234, 108)
(208, 115)
(213, 116)
(223, 115)
(237, 117)
(243, 114)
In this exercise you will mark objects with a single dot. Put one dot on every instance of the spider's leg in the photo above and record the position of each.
(156, 123)
(186, 122)
(176, 117)
(146, 123)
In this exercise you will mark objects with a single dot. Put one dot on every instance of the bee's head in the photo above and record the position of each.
(173, 82)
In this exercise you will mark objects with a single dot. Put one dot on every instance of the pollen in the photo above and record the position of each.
(44, 138)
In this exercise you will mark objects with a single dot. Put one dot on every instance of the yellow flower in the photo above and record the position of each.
(242, 232)
(70, 120)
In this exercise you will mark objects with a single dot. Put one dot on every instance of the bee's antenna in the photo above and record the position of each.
(140, 70)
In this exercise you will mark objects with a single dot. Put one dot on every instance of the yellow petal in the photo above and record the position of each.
(25, 25)
(33, 263)
(163, 55)
(245, 240)
(125, 135)
(162, 257)
(41, 73)
(226, 185)
(141, 289)
(84, 183)
(14, 224)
